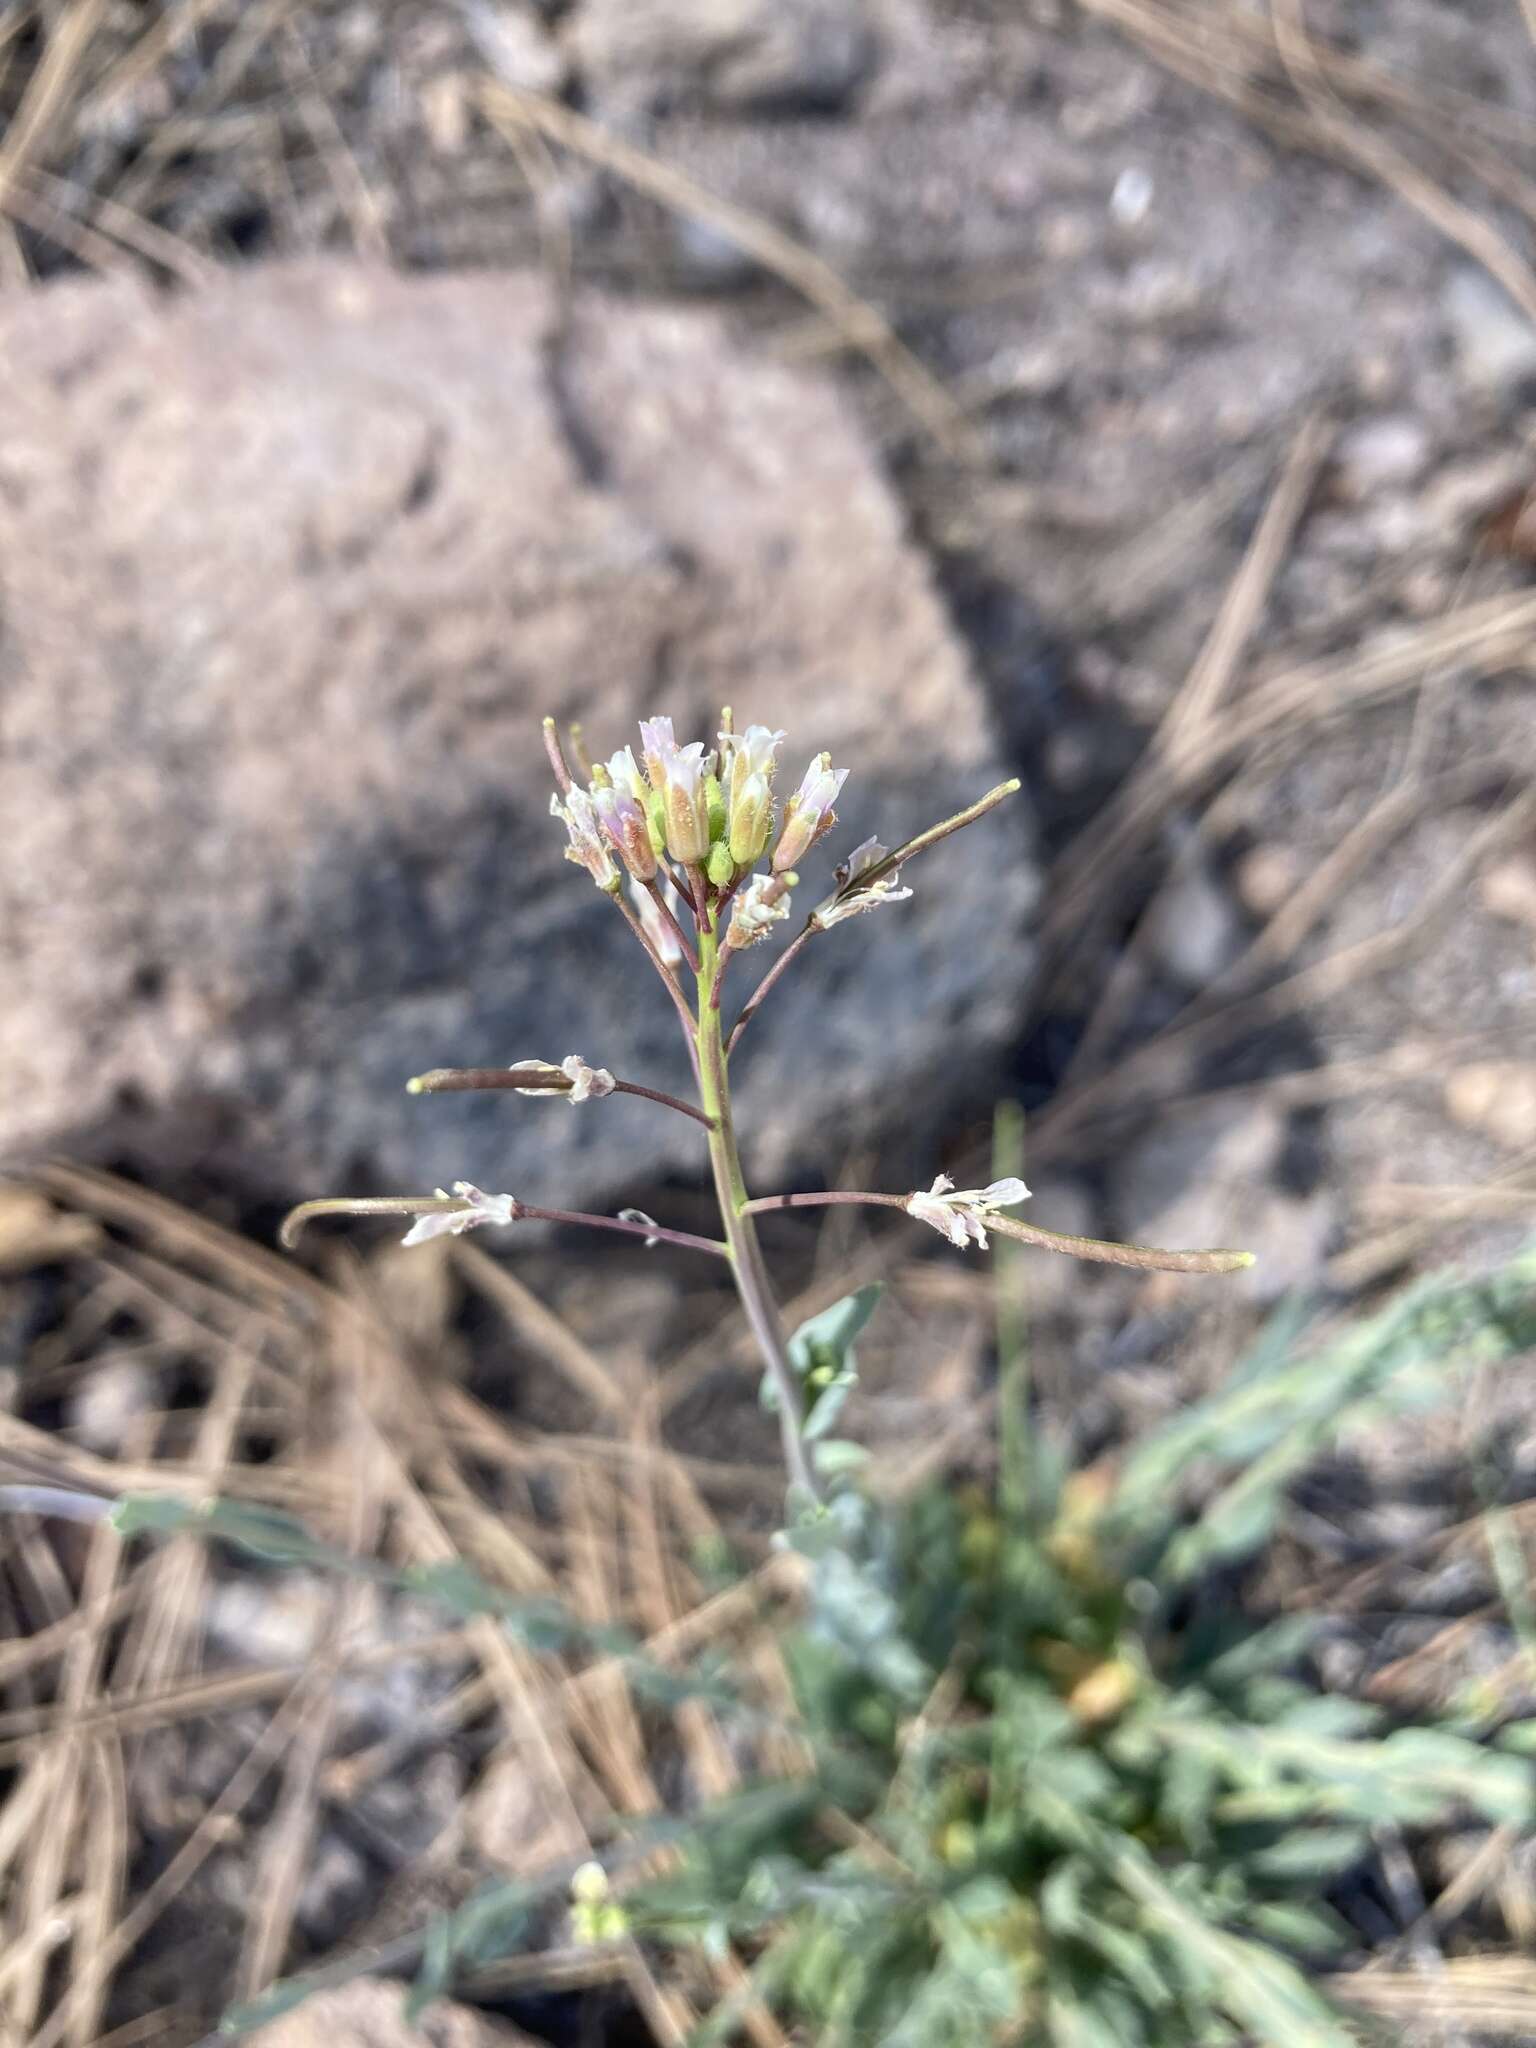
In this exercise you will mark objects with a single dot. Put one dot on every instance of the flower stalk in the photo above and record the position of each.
(684, 829)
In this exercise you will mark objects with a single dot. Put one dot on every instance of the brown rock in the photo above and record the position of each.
(367, 2014)
(289, 571)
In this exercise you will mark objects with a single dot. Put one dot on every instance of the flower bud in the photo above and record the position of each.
(746, 768)
(656, 743)
(751, 821)
(685, 804)
(624, 820)
(720, 867)
(809, 812)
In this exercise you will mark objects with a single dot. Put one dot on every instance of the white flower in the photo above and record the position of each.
(960, 1213)
(746, 773)
(848, 899)
(585, 1081)
(759, 906)
(809, 812)
(588, 847)
(478, 1208)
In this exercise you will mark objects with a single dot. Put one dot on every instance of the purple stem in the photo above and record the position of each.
(651, 1231)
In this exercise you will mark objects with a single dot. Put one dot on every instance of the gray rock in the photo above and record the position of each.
(1194, 929)
(768, 55)
(291, 568)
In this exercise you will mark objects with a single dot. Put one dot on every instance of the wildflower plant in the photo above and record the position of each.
(698, 855)
(1045, 1781)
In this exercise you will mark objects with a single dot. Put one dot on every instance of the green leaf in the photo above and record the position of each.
(1320, 1854)
(821, 1352)
(836, 1458)
(152, 1514)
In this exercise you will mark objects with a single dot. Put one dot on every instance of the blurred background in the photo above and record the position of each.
(1134, 396)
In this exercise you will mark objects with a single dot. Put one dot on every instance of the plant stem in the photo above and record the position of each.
(744, 1251)
(1104, 1251)
(1013, 1334)
(531, 1081)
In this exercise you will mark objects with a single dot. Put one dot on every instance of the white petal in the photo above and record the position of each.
(587, 1081)
(443, 1223)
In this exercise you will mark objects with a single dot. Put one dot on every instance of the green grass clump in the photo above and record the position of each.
(1061, 1789)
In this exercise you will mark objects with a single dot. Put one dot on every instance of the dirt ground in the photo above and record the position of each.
(1199, 337)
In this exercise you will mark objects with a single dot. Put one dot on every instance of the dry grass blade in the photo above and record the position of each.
(1208, 683)
(50, 90)
(141, 62)
(1210, 680)
(1369, 150)
(1491, 1992)
(508, 108)
(1486, 635)
(286, 1850)
(49, 206)
(1322, 981)
(540, 1328)
(359, 204)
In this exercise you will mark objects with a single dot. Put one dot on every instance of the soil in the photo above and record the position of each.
(1217, 425)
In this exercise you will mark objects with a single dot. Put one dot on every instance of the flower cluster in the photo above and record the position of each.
(711, 814)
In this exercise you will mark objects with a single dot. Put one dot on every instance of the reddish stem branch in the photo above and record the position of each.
(651, 1232)
(453, 1205)
(659, 898)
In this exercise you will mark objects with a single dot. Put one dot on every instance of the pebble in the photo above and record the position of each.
(1378, 453)
(1508, 889)
(520, 51)
(102, 1410)
(1494, 342)
(1194, 929)
(1497, 1098)
(1131, 199)
(1266, 878)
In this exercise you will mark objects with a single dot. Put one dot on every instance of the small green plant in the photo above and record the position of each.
(1060, 1791)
